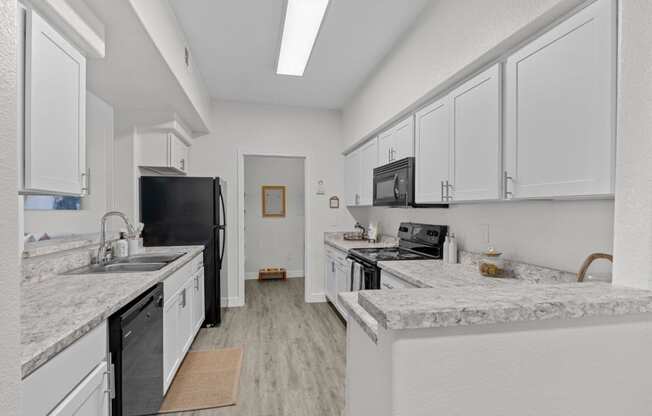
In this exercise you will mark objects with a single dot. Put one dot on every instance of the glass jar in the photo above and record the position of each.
(492, 264)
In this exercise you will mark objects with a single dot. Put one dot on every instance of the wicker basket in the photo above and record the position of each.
(272, 273)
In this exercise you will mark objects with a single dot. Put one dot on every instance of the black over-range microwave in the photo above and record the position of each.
(394, 185)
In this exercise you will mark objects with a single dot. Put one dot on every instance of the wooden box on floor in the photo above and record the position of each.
(272, 274)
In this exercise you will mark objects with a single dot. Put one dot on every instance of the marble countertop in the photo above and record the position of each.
(350, 302)
(57, 311)
(337, 240)
(453, 295)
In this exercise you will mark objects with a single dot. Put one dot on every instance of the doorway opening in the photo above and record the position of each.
(273, 210)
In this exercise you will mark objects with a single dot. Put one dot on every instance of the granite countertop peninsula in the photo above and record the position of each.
(57, 311)
(350, 302)
(457, 295)
(336, 239)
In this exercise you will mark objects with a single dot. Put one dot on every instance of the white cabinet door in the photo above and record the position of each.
(198, 297)
(90, 397)
(178, 153)
(397, 142)
(171, 344)
(351, 178)
(432, 152)
(403, 139)
(476, 137)
(55, 111)
(385, 146)
(342, 272)
(331, 282)
(368, 162)
(560, 108)
(185, 324)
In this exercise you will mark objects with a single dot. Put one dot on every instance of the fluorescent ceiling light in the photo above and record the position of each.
(302, 22)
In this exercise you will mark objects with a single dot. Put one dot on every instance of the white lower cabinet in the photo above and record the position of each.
(74, 382)
(198, 301)
(89, 398)
(336, 277)
(183, 313)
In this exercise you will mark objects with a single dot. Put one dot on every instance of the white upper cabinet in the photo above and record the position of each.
(368, 162)
(163, 153)
(351, 178)
(55, 111)
(476, 138)
(560, 109)
(397, 142)
(432, 152)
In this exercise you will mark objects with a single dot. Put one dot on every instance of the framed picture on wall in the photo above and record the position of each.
(273, 201)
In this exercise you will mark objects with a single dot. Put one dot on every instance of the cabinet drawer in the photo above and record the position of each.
(337, 255)
(173, 283)
(390, 281)
(42, 390)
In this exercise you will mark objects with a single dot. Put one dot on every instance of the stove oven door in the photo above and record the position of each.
(363, 276)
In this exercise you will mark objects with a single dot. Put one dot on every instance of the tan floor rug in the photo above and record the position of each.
(206, 379)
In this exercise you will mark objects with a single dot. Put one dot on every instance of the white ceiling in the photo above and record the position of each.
(235, 45)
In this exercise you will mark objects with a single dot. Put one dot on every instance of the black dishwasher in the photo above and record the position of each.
(136, 345)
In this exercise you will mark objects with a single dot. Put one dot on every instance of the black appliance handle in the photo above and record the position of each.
(361, 284)
(223, 225)
(397, 193)
(353, 263)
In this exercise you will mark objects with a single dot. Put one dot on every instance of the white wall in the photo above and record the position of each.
(451, 40)
(271, 241)
(633, 230)
(9, 270)
(557, 234)
(449, 37)
(99, 153)
(277, 130)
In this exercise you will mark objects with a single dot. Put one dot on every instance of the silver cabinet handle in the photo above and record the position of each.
(449, 197)
(506, 193)
(183, 164)
(85, 182)
(389, 154)
(442, 191)
(183, 298)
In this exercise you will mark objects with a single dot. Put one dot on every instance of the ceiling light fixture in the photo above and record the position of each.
(303, 19)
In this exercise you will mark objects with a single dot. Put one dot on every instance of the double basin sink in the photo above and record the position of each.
(132, 264)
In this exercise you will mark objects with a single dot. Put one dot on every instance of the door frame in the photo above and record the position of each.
(241, 153)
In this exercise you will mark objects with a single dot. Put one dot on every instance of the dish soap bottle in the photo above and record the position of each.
(452, 250)
(447, 245)
(121, 246)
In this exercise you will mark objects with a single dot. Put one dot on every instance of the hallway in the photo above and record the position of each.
(294, 353)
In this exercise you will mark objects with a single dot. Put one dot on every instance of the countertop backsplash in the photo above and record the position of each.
(48, 258)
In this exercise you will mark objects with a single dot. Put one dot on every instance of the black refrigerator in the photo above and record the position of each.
(180, 211)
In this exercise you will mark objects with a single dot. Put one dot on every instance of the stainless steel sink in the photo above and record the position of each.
(118, 268)
(148, 258)
(132, 264)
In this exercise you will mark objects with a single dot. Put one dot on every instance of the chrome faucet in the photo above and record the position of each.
(585, 266)
(359, 226)
(102, 257)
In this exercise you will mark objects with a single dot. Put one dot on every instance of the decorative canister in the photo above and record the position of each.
(492, 264)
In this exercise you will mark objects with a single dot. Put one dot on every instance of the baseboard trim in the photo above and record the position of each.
(316, 298)
(292, 274)
(233, 302)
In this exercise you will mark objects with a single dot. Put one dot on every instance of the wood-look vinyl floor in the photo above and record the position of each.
(294, 353)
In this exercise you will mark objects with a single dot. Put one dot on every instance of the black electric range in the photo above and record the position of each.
(416, 242)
